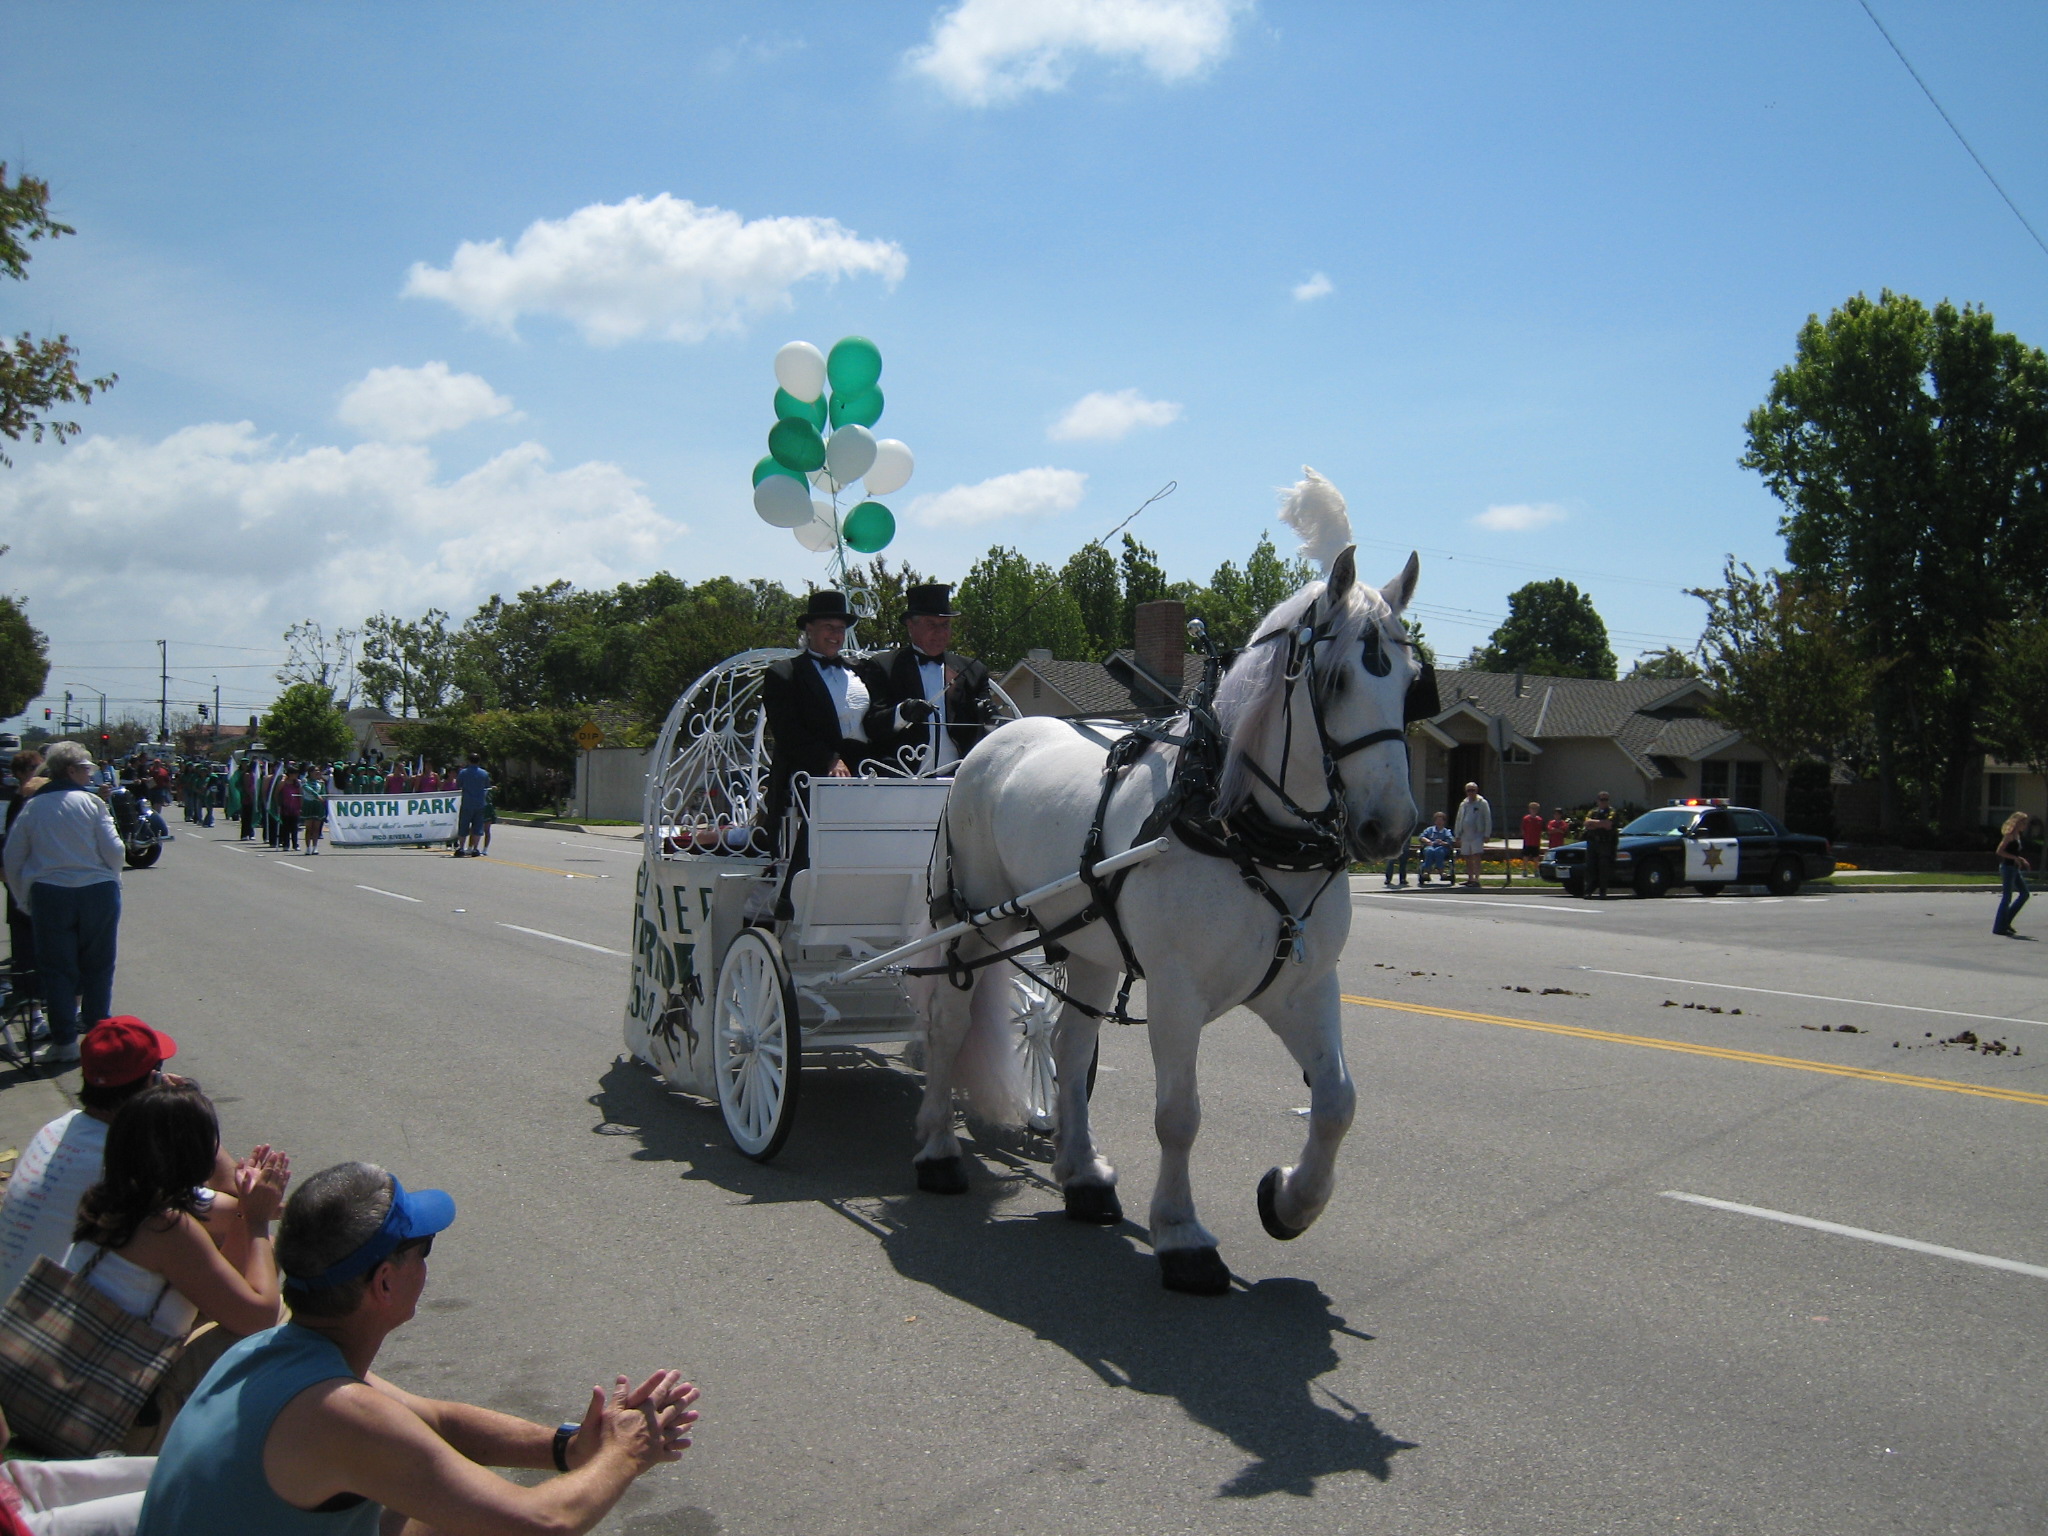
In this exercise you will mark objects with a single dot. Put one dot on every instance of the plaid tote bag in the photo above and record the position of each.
(75, 1369)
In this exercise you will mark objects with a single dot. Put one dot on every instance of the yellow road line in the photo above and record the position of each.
(1753, 1058)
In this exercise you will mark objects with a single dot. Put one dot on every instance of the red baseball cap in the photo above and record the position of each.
(117, 1051)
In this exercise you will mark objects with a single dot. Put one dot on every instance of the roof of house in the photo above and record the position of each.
(1646, 717)
(1089, 686)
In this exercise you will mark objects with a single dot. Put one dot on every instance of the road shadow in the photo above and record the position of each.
(1245, 1365)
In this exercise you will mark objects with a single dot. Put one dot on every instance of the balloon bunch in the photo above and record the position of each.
(841, 391)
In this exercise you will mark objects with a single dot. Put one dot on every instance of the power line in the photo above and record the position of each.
(1952, 128)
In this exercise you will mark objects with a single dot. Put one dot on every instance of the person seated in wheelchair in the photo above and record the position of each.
(817, 705)
(933, 704)
(1437, 845)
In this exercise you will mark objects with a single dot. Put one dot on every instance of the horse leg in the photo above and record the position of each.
(1188, 1260)
(1087, 1181)
(941, 1167)
(1310, 1024)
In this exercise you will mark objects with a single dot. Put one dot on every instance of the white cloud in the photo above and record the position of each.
(218, 530)
(1520, 517)
(659, 264)
(987, 52)
(1027, 493)
(410, 405)
(1318, 286)
(1106, 418)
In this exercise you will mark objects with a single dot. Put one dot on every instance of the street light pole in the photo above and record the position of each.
(215, 748)
(163, 703)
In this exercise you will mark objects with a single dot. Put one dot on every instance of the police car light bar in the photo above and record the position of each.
(1696, 800)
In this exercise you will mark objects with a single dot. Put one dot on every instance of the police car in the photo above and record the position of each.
(1707, 844)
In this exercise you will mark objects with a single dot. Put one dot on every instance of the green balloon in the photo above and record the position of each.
(789, 408)
(853, 365)
(768, 467)
(795, 445)
(862, 408)
(868, 528)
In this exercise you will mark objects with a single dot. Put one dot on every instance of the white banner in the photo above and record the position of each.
(1711, 858)
(381, 820)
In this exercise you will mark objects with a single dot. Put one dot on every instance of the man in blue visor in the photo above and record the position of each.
(293, 1432)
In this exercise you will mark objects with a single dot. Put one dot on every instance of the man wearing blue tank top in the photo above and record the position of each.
(293, 1432)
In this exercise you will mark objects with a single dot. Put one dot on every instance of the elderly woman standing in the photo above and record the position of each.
(63, 864)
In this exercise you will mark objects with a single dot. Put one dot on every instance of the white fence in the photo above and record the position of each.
(611, 783)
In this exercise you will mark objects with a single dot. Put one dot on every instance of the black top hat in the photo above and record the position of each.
(934, 601)
(825, 605)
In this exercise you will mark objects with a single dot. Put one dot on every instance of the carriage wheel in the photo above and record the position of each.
(1036, 1012)
(757, 1045)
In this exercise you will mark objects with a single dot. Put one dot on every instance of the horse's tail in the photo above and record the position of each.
(990, 1067)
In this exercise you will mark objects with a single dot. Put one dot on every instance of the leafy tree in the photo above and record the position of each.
(35, 375)
(1235, 600)
(1011, 605)
(1782, 664)
(1910, 449)
(1144, 581)
(718, 618)
(305, 723)
(1424, 651)
(2016, 728)
(1670, 663)
(409, 660)
(24, 655)
(1551, 629)
(1090, 578)
(888, 592)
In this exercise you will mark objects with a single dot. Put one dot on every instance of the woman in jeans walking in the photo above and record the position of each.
(2012, 872)
(63, 863)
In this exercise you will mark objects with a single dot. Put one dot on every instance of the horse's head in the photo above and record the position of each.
(1326, 680)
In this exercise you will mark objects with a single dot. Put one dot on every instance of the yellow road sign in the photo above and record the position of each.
(588, 736)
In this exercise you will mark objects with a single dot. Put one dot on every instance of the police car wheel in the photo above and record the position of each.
(1786, 877)
(1653, 879)
(1574, 885)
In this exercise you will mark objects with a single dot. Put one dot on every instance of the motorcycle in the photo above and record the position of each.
(143, 831)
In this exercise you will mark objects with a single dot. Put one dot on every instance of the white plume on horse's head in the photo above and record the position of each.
(1315, 510)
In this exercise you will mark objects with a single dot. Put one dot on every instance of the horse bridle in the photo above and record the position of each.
(1302, 644)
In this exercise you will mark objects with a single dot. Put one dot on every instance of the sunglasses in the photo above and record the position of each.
(419, 1245)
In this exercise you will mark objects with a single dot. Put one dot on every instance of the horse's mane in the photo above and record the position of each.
(1251, 691)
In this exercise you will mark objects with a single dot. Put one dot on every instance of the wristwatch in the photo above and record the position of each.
(564, 1433)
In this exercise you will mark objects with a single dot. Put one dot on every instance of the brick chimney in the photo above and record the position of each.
(1162, 639)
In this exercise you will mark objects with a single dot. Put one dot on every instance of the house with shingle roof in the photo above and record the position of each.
(1643, 740)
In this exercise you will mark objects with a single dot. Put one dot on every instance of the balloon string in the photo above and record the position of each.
(1165, 490)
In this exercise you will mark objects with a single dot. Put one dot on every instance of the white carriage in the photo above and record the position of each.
(730, 1001)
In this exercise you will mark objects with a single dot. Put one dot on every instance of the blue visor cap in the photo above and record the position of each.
(411, 1216)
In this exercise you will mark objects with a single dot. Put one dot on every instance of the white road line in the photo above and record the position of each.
(1477, 901)
(394, 895)
(1913, 1244)
(288, 864)
(542, 933)
(1819, 997)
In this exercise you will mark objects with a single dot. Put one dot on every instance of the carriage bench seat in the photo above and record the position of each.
(870, 845)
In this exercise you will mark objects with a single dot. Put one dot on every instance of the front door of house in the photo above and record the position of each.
(1467, 766)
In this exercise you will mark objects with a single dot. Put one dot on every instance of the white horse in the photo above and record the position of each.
(1313, 714)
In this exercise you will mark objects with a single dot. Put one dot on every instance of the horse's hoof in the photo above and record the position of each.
(1194, 1271)
(942, 1175)
(1096, 1204)
(1269, 1210)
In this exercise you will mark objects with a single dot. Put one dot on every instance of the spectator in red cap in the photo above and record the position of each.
(118, 1058)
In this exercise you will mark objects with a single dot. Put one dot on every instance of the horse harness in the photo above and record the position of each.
(1250, 839)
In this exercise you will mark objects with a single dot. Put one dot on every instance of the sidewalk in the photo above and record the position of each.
(29, 1099)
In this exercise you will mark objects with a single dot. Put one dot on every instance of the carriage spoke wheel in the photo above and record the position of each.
(757, 1046)
(1035, 1012)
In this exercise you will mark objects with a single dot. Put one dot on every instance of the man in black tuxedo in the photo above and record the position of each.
(817, 706)
(929, 697)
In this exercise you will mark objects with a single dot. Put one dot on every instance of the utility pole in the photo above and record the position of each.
(163, 703)
(66, 723)
(215, 749)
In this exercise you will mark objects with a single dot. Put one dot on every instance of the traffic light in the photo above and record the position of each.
(202, 711)
(46, 711)
(105, 737)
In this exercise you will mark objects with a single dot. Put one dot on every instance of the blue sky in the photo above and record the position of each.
(1459, 258)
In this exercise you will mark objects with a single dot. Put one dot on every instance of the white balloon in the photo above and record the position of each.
(782, 501)
(822, 531)
(849, 453)
(822, 479)
(894, 464)
(800, 369)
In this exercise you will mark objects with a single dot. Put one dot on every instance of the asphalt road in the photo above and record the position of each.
(1503, 1324)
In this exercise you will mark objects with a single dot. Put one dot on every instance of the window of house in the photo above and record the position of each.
(1518, 754)
(1749, 784)
(2001, 795)
(1714, 780)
